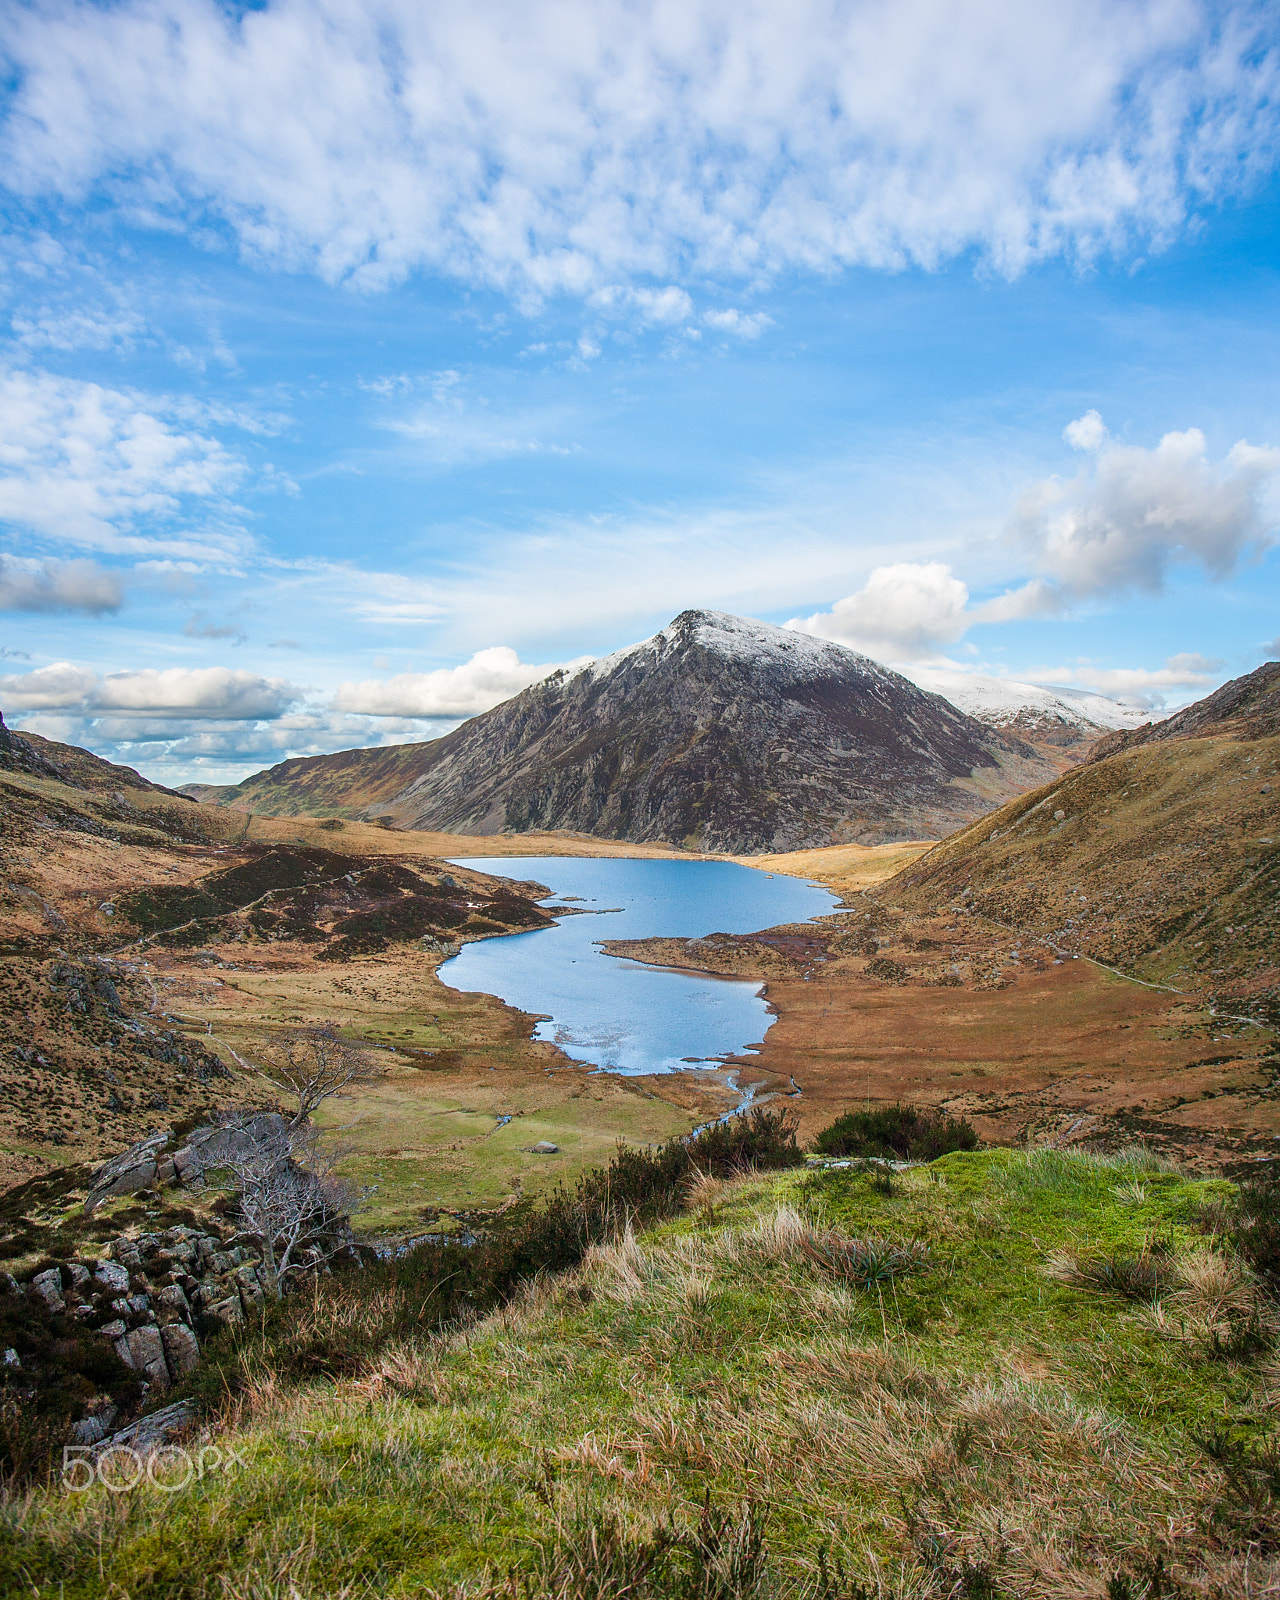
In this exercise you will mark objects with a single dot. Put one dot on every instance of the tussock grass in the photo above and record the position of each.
(709, 1410)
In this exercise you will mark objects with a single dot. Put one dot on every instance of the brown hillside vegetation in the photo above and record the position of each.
(1162, 860)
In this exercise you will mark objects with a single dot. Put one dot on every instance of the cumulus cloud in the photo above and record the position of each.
(566, 147)
(490, 677)
(904, 611)
(186, 692)
(1131, 513)
(30, 585)
(102, 469)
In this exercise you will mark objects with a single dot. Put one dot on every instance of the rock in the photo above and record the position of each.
(88, 1431)
(113, 1330)
(180, 1347)
(79, 1276)
(111, 1275)
(227, 1310)
(11, 1358)
(48, 1285)
(146, 1352)
(133, 1169)
(544, 1147)
(172, 1298)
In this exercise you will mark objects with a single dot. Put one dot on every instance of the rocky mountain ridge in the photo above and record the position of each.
(718, 733)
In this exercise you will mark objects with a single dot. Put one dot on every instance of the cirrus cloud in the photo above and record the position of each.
(567, 147)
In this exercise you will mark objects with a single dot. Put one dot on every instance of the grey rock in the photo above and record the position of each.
(229, 1310)
(147, 1351)
(111, 1275)
(544, 1147)
(133, 1169)
(88, 1431)
(80, 1276)
(113, 1330)
(172, 1299)
(48, 1285)
(181, 1348)
(11, 1358)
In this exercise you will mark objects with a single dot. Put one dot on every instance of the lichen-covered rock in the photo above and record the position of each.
(146, 1355)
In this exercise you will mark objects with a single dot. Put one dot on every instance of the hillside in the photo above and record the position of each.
(718, 734)
(977, 1378)
(1161, 857)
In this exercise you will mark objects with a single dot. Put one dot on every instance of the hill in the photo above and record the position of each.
(1161, 856)
(719, 733)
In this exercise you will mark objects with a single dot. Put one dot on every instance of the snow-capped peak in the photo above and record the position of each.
(1001, 702)
(745, 639)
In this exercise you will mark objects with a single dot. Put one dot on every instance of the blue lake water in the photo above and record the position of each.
(618, 1014)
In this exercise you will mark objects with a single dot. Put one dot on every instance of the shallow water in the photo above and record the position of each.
(619, 1014)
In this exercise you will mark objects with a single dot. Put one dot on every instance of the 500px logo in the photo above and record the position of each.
(121, 1468)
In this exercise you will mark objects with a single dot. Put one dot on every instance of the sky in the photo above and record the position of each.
(362, 362)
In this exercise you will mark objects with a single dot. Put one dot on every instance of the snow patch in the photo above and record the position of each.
(1000, 701)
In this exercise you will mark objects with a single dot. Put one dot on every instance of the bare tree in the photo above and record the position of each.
(316, 1065)
(290, 1194)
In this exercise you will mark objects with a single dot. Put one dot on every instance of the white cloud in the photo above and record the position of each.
(565, 147)
(903, 613)
(654, 308)
(101, 469)
(52, 328)
(490, 677)
(1152, 688)
(27, 584)
(745, 325)
(1128, 516)
(185, 692)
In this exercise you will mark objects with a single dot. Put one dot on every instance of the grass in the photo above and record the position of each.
(418, 1146)
(713, 1406)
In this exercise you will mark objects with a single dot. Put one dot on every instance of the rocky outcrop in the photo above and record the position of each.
(19, 755)
(723, 734)
(160, 1161)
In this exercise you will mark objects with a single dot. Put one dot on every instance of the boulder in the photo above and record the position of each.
(48, 1285)
(181, 1348)
(146, 1355)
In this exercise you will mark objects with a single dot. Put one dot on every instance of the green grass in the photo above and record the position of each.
(975, 1427)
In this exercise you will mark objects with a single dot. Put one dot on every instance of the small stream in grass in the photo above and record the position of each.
(620, 1015)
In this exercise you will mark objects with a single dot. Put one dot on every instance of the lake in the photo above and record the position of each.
(620, 1015)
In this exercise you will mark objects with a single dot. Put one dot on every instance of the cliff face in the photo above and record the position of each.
(721, 734)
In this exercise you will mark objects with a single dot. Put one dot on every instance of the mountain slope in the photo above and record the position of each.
(718, 733)
(1162, 858)
(721, 734)
(1052, 718)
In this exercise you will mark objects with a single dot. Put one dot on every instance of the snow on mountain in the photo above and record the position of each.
(743, 639)
(1002, 703)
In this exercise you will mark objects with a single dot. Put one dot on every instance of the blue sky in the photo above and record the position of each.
(361, 361)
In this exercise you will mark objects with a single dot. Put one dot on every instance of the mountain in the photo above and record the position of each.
(719, 733)
(1055, 720)
(1161, 857)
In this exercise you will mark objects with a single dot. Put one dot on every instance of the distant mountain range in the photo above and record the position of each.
(719, 733)
(1070, 719)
